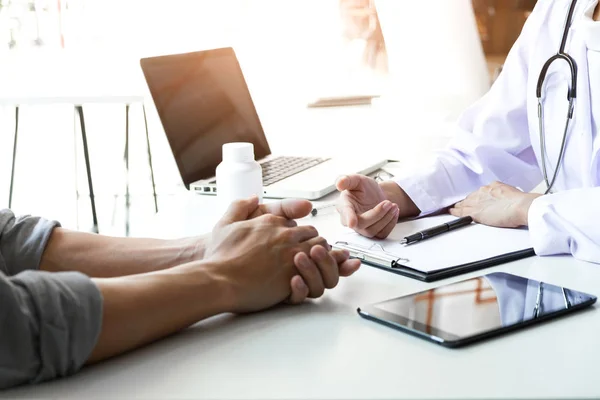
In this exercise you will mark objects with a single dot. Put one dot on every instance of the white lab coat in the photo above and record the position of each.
(497, 138)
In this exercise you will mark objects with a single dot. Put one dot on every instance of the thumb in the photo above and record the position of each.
(349, 182)
(290, 208)
(239, 210)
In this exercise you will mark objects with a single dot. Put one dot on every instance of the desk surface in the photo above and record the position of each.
(323, 349)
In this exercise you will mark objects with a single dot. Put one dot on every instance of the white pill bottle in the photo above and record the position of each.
(239, 176)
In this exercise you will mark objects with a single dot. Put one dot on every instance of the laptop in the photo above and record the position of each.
(203, 102)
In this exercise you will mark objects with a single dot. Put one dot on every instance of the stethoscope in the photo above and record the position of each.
(571, 95)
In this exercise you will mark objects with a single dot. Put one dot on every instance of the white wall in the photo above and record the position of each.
(434, 51)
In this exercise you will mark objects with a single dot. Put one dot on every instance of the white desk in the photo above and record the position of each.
(323, 349)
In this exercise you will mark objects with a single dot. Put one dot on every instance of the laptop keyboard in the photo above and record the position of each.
(280, 168)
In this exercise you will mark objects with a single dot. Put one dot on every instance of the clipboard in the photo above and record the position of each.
(466, 249)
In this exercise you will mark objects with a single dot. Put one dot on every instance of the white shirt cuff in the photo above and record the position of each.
(542, 231)
(414, 187)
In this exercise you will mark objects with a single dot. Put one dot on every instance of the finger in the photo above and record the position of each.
(462, 212)
(347, 213)
(340, 255)
(470, 200)
(467, 201)
(467, 212)
(349, 267)
(376, 228)
(273, 220)
(310, 274)
(327, 266)
(291, 223)
(385, 232)
(290, 209)
(239, 210)
(374, 215)
(457, 212)
(317, 241)
(299, 290)
(301, 234)
(349, 182)
(346, 266)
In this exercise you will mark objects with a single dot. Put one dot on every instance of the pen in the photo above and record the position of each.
(317, 209)
(436, 230)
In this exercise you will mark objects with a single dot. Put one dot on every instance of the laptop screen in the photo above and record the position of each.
(203, 102)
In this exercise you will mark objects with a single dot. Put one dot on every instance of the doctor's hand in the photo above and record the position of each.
(496, 204)
(370, 208)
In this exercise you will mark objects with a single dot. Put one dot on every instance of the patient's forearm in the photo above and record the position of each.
(104, 256)
(140, 309)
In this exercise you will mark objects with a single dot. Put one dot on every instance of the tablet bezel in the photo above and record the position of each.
(399, 322)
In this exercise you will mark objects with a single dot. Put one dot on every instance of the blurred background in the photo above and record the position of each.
(429, 60)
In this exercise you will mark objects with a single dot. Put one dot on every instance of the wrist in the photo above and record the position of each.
(209, 290)
(190, 249)
(391, 191)
(394, 193)
(142, 308)
(524, 206)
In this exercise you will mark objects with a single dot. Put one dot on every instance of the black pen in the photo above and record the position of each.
(436, 230)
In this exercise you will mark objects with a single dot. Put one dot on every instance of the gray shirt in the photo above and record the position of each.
(49, 322)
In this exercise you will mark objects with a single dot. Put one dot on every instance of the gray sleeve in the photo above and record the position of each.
(49, 325)
(22, 241)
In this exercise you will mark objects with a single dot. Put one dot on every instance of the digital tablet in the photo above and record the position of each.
(464, 312)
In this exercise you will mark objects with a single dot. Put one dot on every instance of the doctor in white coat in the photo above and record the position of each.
(499, 153)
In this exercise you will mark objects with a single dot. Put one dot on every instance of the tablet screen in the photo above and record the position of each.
(476, 306)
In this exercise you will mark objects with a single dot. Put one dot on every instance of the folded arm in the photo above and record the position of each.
(140, 309)
(50, 324)
(105, 256)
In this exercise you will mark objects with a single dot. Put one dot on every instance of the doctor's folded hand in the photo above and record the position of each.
(538, 124)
